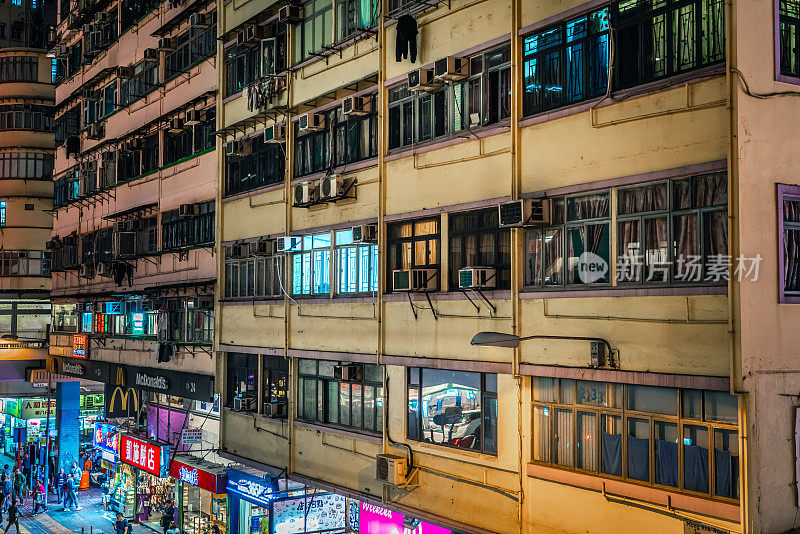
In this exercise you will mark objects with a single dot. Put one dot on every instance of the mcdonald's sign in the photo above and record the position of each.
(120, 401)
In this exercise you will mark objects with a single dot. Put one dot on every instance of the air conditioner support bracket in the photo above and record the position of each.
(147, 259)
(410, 302)
(492, 306)
(433, 311)
(412, 480)
(477, 308)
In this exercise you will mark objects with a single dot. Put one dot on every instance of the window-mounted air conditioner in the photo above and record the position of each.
(357, 106)
(289, 243)
(524, 212)
(305, 193)
(290, 14)
(331, 187)
(104, 269)
(230, 148)
(365, 233)
(87, 270)
(415, 279)
(477, 278)
(124, 244)
(243, 147)
(311, 122)
(175, 125)
(237, 251)
(199, 20)
(422, 80)
(95, 131)
(391, 469)
(165, 43)
(348, 373)
(275, 133)
(241, 404)
(151, 54)
(187, 210)
(251, 35)
(276, 410)
(194, 117)
(262, 247)
(205, 302)
(451, 68)
(121, 226)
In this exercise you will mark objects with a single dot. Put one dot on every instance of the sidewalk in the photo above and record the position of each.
(89, 519)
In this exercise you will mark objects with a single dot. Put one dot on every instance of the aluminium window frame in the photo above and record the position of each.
(785, 192)
(779, 75)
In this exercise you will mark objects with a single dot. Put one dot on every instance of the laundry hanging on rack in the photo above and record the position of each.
(406, 44)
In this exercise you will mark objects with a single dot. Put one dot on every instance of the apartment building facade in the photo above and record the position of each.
(372, 156)
(26, 167)
(133, 220)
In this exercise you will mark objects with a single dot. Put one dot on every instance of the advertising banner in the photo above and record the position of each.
(197, 477)
(376, 520)
(144, 455)
(312, 513)
(106, 438)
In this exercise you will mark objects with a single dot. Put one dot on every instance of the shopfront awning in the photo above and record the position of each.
(198, 472)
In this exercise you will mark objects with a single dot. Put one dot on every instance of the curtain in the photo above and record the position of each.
(666, 463)
(639, 458)
(724, 473)
(695, 468)
(611, 454)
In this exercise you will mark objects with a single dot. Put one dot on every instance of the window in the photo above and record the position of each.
(789, 239)
(683, 439)
(191, 47)
(2, 212)
(24, 262)
(789, 19)
(255, 275)
(143, 81)
(19, 68)
(134, 162)
(353, 15)
(312, 151)
(26, 166)
(264, 165)
(26, 117)
(275, 379)
(315, 31)
(656, 39)
(195, 230)
(65, 254)
(453, 408)
(476, 240)
(67, 124)
(579, 238)
(132, 11)
(242, 66)
(566, 63)
(242, 375)
(311, 268)
(413, 244)
(354, 404)
(482, 99)
(109, 103)
(356, 264)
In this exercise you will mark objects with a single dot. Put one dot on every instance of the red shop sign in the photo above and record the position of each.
(144, 455)
(197, 477)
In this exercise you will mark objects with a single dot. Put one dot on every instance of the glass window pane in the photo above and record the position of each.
(344, 404)
(638, 445)
(587, 441)
(562, 439)
(695, 458)
(611, 445)
(721, 406)
(541, 432)
(651, 399)
(726, 463)
(666, 453)
(692, 403)
(369, 408)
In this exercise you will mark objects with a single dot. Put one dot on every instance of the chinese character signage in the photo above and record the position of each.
(106, 438)
(376, 520)
(144, 455)
(197, 477)
(312, 513)
(192, 436)
(36, 408)
(254, 489)
(80, 345)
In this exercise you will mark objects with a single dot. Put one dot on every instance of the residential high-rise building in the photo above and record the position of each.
(614, 181)
(26, 191)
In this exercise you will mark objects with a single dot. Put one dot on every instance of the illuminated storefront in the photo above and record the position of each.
(201, 494)
(142, 486)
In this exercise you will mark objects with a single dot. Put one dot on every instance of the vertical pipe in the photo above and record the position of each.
(287, 196)
(382, 136)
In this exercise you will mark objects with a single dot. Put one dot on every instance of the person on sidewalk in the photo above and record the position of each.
(67, 491)
(19, 484)
(173, 528)
(8, 490)
(168, 516)
(75, 483)
(61, 479)
(39, 498)
(13, 516)
(106, 489)
(121, 526)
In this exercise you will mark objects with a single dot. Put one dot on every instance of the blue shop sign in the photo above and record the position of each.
(250, 487)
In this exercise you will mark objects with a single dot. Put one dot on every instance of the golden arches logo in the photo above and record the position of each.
(120, 376)
(123, 397)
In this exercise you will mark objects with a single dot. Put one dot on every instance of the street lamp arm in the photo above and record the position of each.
(576, 338)
(512, 341)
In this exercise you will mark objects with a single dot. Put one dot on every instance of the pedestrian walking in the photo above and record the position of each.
(38, 498)
(121, 526)
(13, 516)
(168, 516)
(19, 484)
(173, 528)
(67, 491)
(8, 490)
(61, 479)
(73, 491)
(106, 489)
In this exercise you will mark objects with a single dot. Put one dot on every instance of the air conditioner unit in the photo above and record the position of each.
(103, 17)
(348, 373)
(108, 155)
(135, 143)
(241, 404)
(121, 226)
(95, 131)
(310, 122)
(165, 43)
(451, 68)
(415, 279)
(205, 302)
(194, 117)
(244, 147)
(104, 269)
(275, 409)
(304, 193)
(175, 126)
(187, 210)
(124, 244)
(290, 14)
(524, 212)
(237, 252)
(477, 278)
(251, 35)
(87, 270)
(275, 133)
(262, 248)
(365, 233)
(357, 106)
(331, 187)
(151, 54)
(199, 20)
(230, 149)
(422, 80)
(289, 243)
(391, 469)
